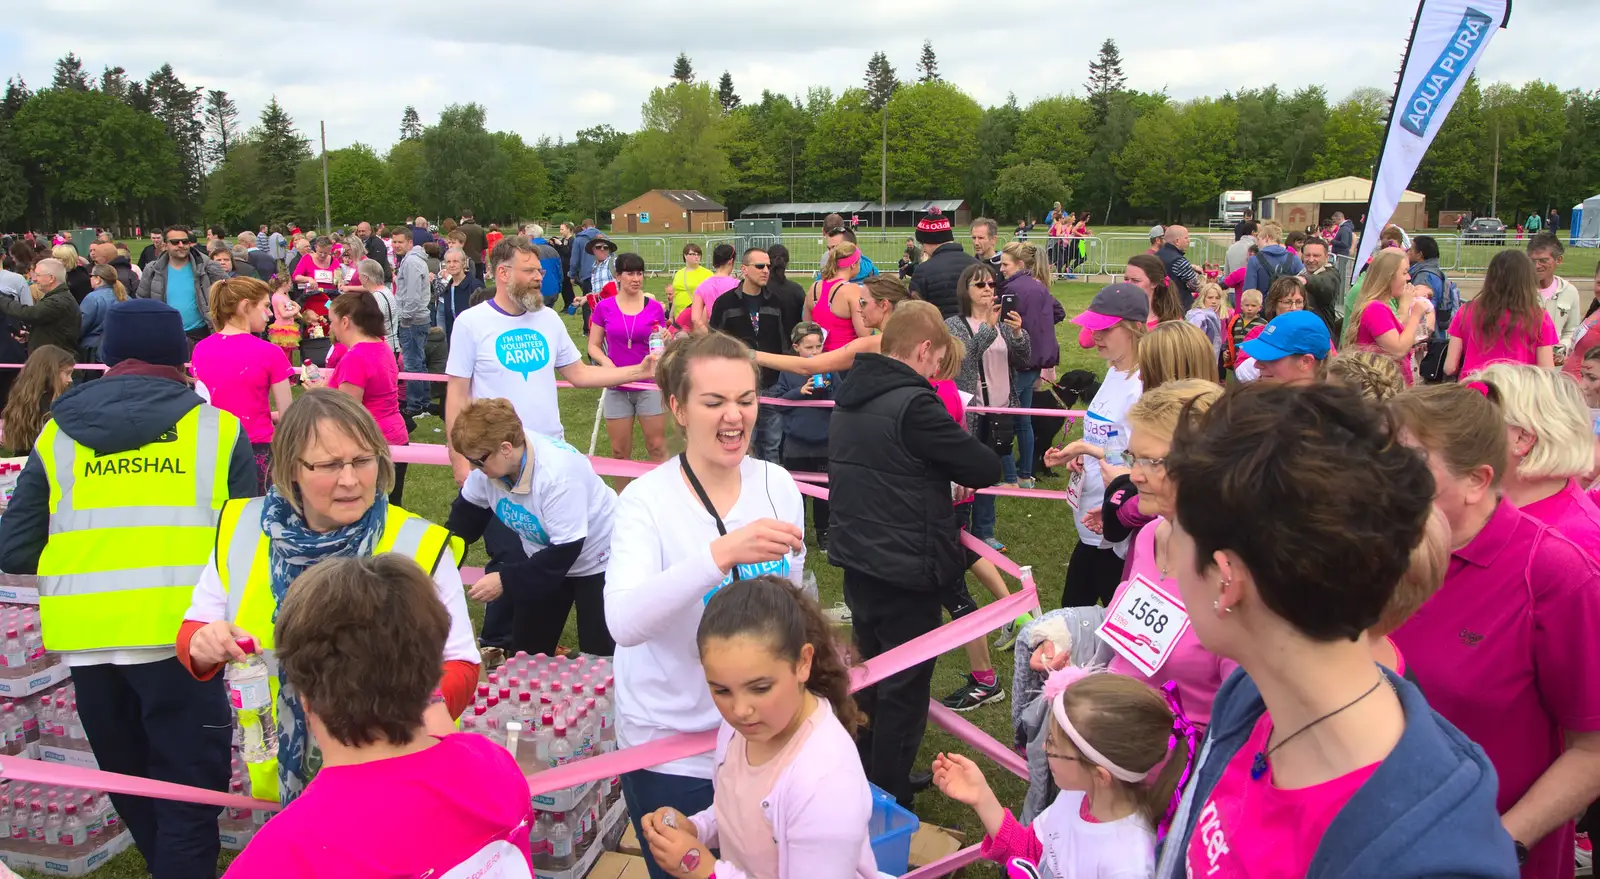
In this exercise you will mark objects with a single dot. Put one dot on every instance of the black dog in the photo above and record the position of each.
(1077, 385)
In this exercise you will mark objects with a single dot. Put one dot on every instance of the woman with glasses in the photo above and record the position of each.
(1152, 422)
(331, 475)
(992, 344)
(619, 335)
(548, 493)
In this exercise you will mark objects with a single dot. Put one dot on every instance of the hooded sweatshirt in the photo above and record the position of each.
(131, 407)
(1258, 277)
(1428, 810)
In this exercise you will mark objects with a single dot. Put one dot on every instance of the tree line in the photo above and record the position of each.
(110, 151)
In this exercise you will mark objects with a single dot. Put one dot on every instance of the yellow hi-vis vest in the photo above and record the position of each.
(130, 532)
(242, 551)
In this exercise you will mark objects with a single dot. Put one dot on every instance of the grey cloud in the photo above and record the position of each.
(555, 69)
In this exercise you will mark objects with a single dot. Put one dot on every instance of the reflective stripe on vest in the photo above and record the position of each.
(121, 575)
(242, 551)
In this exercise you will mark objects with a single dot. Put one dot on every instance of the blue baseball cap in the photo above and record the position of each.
(1289, 335)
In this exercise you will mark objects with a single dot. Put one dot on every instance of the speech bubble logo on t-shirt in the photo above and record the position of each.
(522, 350)
(522, 522)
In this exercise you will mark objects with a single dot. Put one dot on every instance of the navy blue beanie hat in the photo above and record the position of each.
(144, 329)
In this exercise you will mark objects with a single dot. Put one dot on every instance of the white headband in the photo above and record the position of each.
(1058, 707)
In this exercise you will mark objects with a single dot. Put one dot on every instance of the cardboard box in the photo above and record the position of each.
(630, 842)
(68, 757)
(77, 866)
(612, 865)
(932, 842)
(17, 688)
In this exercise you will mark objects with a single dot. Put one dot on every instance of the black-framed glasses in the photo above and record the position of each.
(479, 461)
(331, 468)
(984, 284)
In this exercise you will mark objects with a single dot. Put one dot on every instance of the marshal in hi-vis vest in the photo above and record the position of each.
(242, 550)
(130, 532)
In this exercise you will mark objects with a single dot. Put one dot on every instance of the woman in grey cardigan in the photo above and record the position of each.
(987, 373)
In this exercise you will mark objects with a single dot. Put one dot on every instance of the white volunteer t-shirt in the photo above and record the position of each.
(567, 501)
(659, 580)
(514, 357)
(1105, 424)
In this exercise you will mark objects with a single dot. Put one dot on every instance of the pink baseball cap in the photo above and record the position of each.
(1113, 305)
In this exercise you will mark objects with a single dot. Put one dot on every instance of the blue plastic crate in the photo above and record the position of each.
(891, 830)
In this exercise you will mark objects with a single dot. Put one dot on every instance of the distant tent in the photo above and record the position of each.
(1586, 222)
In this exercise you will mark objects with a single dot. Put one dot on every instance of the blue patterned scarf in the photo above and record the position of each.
(292, 548)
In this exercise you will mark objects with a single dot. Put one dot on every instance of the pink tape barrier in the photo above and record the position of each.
(23, 769)
(984, 743)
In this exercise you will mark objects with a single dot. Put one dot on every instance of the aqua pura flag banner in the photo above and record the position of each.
(1447, 39)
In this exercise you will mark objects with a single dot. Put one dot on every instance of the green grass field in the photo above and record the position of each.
(1038, 533)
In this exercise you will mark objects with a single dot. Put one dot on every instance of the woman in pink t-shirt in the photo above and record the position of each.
(1315, 753)
(368, 372)
(1196, 671)
(619, 335)
(243, 373)
(390, 800)
(1506, 323)
(1550, 448)
(1506, 649)
(1386, 311)
(790, 797)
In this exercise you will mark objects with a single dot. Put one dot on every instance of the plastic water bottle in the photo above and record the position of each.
(19, 822)
(52, 824)
(561, 752)
(561, 849)
(30, 723)
(73, 834)
(13, 656)
(33, 644)
(250, 694)
(658, 340)
(539, 841)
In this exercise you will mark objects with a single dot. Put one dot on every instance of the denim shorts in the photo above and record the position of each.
(627, 404)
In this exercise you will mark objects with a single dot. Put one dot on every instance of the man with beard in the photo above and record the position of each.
(512, 347)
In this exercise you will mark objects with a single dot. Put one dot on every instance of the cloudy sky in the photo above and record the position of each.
(559, 67)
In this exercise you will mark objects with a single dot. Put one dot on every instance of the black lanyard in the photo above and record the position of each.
(700, 491)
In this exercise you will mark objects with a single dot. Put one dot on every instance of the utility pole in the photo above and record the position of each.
(1494, 191)
(791, 170)
(883, 179)
(327, 204)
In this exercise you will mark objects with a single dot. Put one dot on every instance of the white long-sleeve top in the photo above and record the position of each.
(210, 604)
(657, 584)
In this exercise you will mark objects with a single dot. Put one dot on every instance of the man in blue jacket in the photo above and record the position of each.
(581, 265)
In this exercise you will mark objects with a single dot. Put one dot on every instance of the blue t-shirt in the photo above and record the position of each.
(180, 295)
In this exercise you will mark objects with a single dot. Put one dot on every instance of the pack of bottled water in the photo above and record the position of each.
(549, 712)
(45, 726)
(58, 830)
(236, 825)
(22, 652)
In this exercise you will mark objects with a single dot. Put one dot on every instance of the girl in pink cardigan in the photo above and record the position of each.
(791, 798)
(1119, 752)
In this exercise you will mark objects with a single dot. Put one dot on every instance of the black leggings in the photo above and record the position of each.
(1093, 574)
(537, 623)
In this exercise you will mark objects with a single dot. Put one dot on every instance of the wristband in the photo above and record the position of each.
(437, 697)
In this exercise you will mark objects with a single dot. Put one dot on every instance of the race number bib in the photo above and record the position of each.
(322, 276)
(1144, 624)
(1075, 491)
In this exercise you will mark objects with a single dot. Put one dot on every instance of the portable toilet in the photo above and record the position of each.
(1574, 224)
(1589, 231)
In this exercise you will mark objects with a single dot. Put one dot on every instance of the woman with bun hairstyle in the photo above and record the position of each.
(1506, 650)
(700, 521)
(1318, 761)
